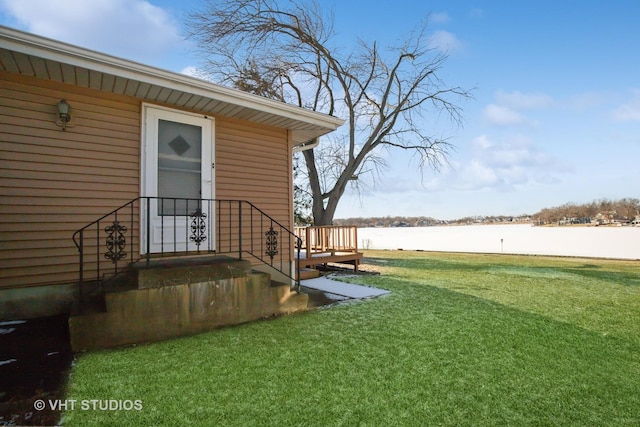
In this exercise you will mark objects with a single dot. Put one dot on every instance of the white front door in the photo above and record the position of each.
(177, 172)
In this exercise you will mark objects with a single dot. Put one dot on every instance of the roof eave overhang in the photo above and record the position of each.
(29, 54)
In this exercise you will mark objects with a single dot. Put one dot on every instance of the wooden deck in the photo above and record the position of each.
(322, 245)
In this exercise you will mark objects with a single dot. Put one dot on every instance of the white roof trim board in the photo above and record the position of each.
(49, 59)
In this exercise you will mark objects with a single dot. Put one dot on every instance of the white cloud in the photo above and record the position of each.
(503, 116)
(629, 112)
(524, 101)
(506, 110)
(482, 142)
(445, 41)
(190, 71)
(587, 100)
(516, 153)
(194, 71)
(129, 28)
(476, 13)
(497, 168)
(475, 176)
(502, 165)
(439, 17)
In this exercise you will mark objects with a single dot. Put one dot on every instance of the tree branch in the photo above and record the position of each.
(284, 50)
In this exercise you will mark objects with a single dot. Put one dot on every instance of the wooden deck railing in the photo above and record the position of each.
(328, 238)
(322, 245)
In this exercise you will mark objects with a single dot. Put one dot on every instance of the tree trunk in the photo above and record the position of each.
(317, 208)
(322, 215)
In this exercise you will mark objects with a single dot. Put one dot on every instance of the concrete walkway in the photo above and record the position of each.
(349, 290)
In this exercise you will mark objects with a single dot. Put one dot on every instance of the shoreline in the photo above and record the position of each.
(576, 257)
(615, 225)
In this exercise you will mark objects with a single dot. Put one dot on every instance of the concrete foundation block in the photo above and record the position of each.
(158, 313)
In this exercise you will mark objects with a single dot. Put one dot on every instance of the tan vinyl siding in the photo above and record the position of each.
(253, 163)
(53, 182)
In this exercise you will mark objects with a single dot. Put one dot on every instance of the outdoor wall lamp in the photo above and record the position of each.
(63, 114)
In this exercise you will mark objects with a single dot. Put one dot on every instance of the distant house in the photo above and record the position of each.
(172, 164)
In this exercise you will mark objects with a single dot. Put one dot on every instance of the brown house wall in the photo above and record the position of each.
(253, 163)
(54, 182)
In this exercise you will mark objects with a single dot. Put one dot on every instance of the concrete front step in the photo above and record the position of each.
(195, 269)
(173, 300)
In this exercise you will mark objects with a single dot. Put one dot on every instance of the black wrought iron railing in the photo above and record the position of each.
(149, 227)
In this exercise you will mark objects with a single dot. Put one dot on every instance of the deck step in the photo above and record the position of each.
(308, 273)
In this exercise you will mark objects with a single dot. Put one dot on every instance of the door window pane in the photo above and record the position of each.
(179, 167)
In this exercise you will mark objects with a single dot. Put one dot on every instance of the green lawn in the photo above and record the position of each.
(463, 339)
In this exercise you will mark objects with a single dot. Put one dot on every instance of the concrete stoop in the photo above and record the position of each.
(173, 299)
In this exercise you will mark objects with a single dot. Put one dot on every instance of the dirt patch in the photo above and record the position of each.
(35, 358)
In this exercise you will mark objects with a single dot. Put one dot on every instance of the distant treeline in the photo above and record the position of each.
(601, 211)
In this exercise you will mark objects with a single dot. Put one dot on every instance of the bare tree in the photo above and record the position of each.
(629, 208)
(287, 50)
(303, 199)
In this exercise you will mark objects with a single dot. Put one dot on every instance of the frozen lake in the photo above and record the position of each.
(600, 242)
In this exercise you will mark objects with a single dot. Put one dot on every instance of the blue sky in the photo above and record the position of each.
(556, 111)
